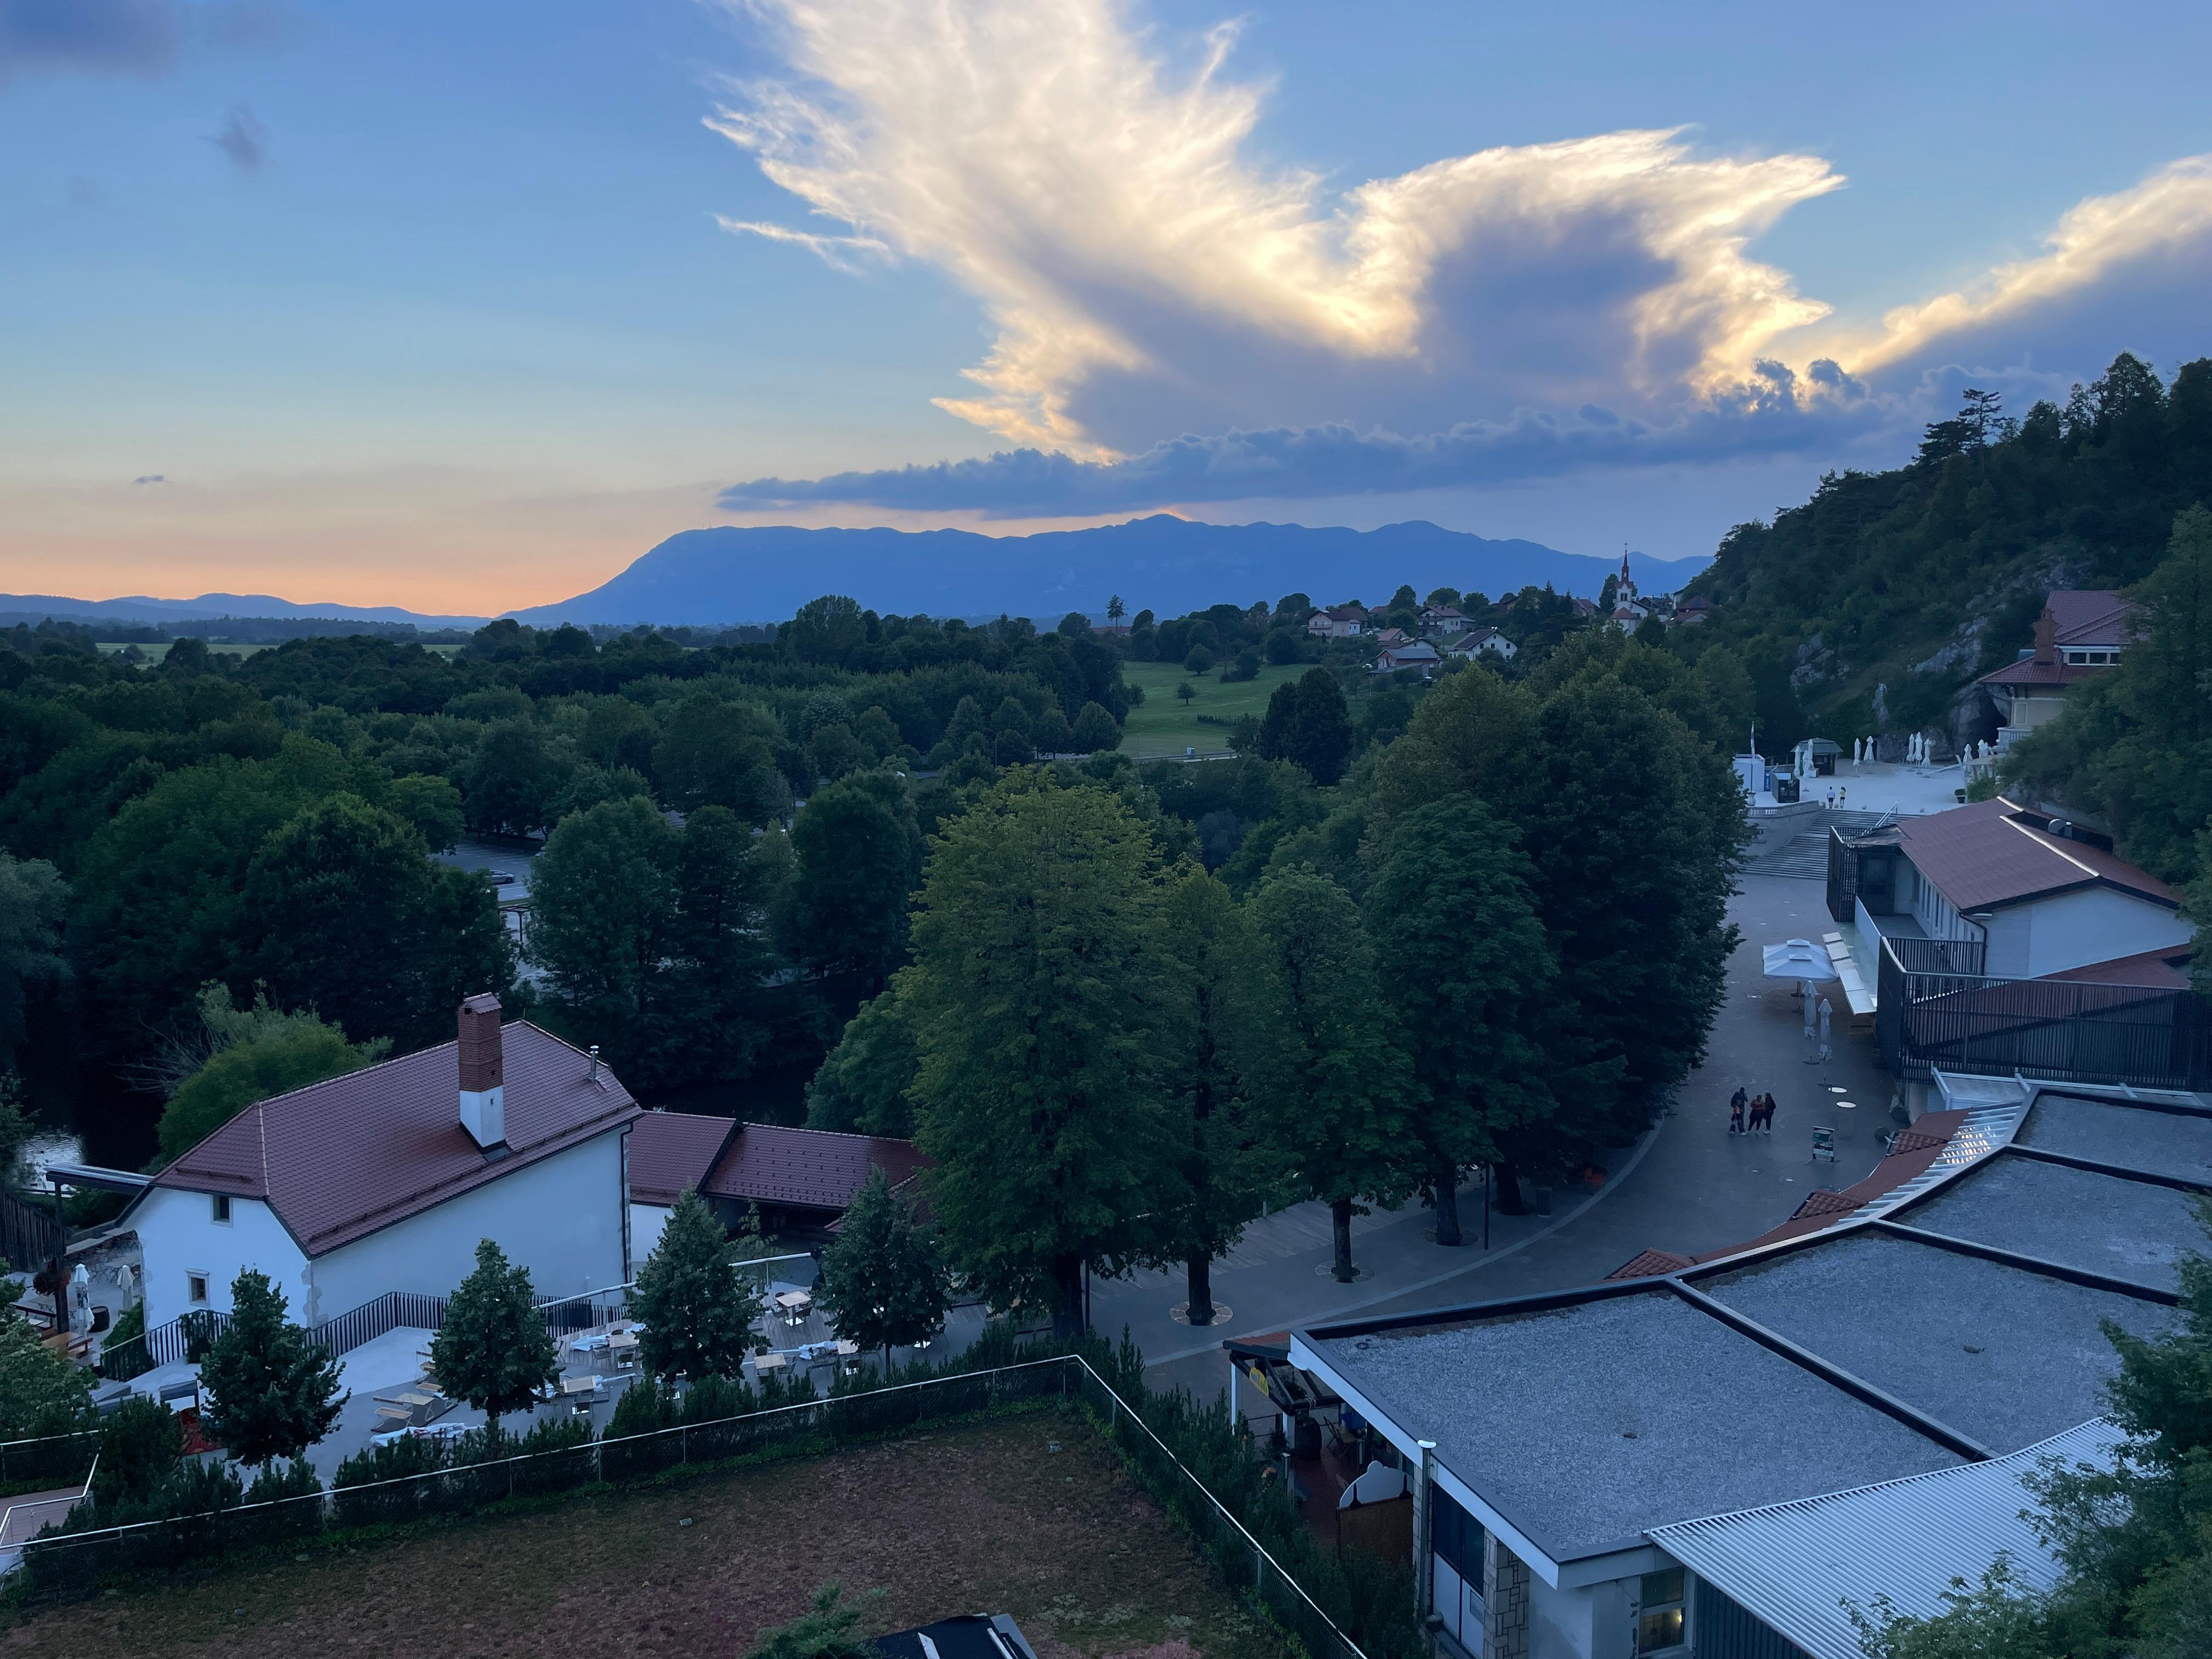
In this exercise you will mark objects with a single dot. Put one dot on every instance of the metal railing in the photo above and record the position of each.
(2065, 1030)
(62, 1563)
(53, 1461)
(185, 1337)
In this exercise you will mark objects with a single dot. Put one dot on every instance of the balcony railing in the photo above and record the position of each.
(2065, 1030)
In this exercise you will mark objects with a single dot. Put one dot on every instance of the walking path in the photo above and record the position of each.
(1687, 1186)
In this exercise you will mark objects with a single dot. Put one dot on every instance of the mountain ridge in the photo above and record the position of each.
(731, 574)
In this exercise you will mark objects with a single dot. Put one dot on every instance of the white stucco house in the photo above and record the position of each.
(387, 1178)
(2030, 900)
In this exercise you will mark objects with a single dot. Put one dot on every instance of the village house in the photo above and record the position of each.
(2078, 636)
(1338, 622)
(385, 1179)
(1416, 654)
(1443, 620)
(1476, 640)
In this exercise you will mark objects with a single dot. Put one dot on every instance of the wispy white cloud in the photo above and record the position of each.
(1146, 278)
(2095, 242)
(832, 251)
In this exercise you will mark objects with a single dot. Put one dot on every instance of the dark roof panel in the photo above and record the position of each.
(671, 1152)
(1990, 854)
(816, 1169)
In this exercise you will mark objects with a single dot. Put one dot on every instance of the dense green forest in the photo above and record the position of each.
(1905, 586)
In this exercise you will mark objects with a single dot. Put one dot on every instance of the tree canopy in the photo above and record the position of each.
(273, 1392)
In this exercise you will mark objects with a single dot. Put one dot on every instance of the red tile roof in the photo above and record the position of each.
(2160, 970)
(2091, 618)
(1912, 1153)
(815, 1168)
(669, 1153)
(342, 1159)
(1990, 853)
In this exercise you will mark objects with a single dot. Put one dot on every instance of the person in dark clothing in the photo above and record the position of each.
(1766, 1113)
(1735, 1112)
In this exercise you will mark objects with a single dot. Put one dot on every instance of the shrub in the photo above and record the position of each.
(141, 1444)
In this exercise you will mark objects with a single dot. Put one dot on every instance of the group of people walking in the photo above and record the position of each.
(1761, 1108)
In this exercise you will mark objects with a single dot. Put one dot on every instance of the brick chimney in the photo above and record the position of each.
(483, 1071)
(2047, 638)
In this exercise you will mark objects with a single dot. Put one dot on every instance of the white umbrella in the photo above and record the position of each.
(1799, 959)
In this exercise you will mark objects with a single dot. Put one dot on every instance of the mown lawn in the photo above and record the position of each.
(153, 654)
(1165, 724)
(1031, 1516)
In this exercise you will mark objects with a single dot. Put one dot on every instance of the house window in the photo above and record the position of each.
(220, 1202)
(196, 1289)
(1659, 1624)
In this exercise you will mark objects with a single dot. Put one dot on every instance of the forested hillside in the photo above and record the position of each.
(266, 824)
(1870, 607)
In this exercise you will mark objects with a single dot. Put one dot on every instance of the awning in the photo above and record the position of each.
(1797, 1565)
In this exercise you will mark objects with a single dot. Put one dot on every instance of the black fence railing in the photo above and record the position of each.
(2064, 1030)
(184, 1338)
(1843, 876)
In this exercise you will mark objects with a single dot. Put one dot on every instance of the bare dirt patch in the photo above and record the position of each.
(985, 1519)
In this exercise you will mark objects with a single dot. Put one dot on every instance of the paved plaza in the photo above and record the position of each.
(1687, 1186)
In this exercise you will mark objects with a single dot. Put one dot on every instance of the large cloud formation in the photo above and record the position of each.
(1145, 279)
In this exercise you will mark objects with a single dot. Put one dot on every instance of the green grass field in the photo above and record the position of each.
(1165, 724)
(156, 652)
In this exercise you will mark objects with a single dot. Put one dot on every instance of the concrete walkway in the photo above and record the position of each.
(1687, 1186)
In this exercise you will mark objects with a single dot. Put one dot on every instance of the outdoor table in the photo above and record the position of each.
(570, 1385)
(768, 1362)
(622, 1342)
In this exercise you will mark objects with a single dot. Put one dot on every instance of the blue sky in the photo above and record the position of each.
(436, 305)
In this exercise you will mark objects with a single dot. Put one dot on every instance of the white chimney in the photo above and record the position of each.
(483, 1073)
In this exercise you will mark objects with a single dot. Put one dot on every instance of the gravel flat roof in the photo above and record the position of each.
(2003, 1355)
(2130, 1230)
(1585, 1424)
(2113, 1132)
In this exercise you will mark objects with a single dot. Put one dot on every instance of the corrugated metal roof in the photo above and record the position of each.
(1799, 1566)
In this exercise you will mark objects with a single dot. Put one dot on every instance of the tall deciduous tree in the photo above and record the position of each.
(1033, 996)
(713, 753)
(494, 1350)
(252, 1053)
(1465, 967)
(1308, 722)
(883, 1279)
(358, 922)
(273, 1392)
(1342, 1116)
(698, 1317)
(861, 1086)
(1221, 1026)
(33, 899)
(859, 853)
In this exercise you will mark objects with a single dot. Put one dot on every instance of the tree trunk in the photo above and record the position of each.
(1339, 1221)
(1447, 1192)
(1199, 1272)
(1508, 1190)
(1067, 1316)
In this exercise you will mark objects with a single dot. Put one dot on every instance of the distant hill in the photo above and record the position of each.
(1164, 564)
(213, 607)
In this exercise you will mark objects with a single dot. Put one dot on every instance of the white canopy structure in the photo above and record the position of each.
(1798, 959)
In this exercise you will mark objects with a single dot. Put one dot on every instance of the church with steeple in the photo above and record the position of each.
(1629, 607)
